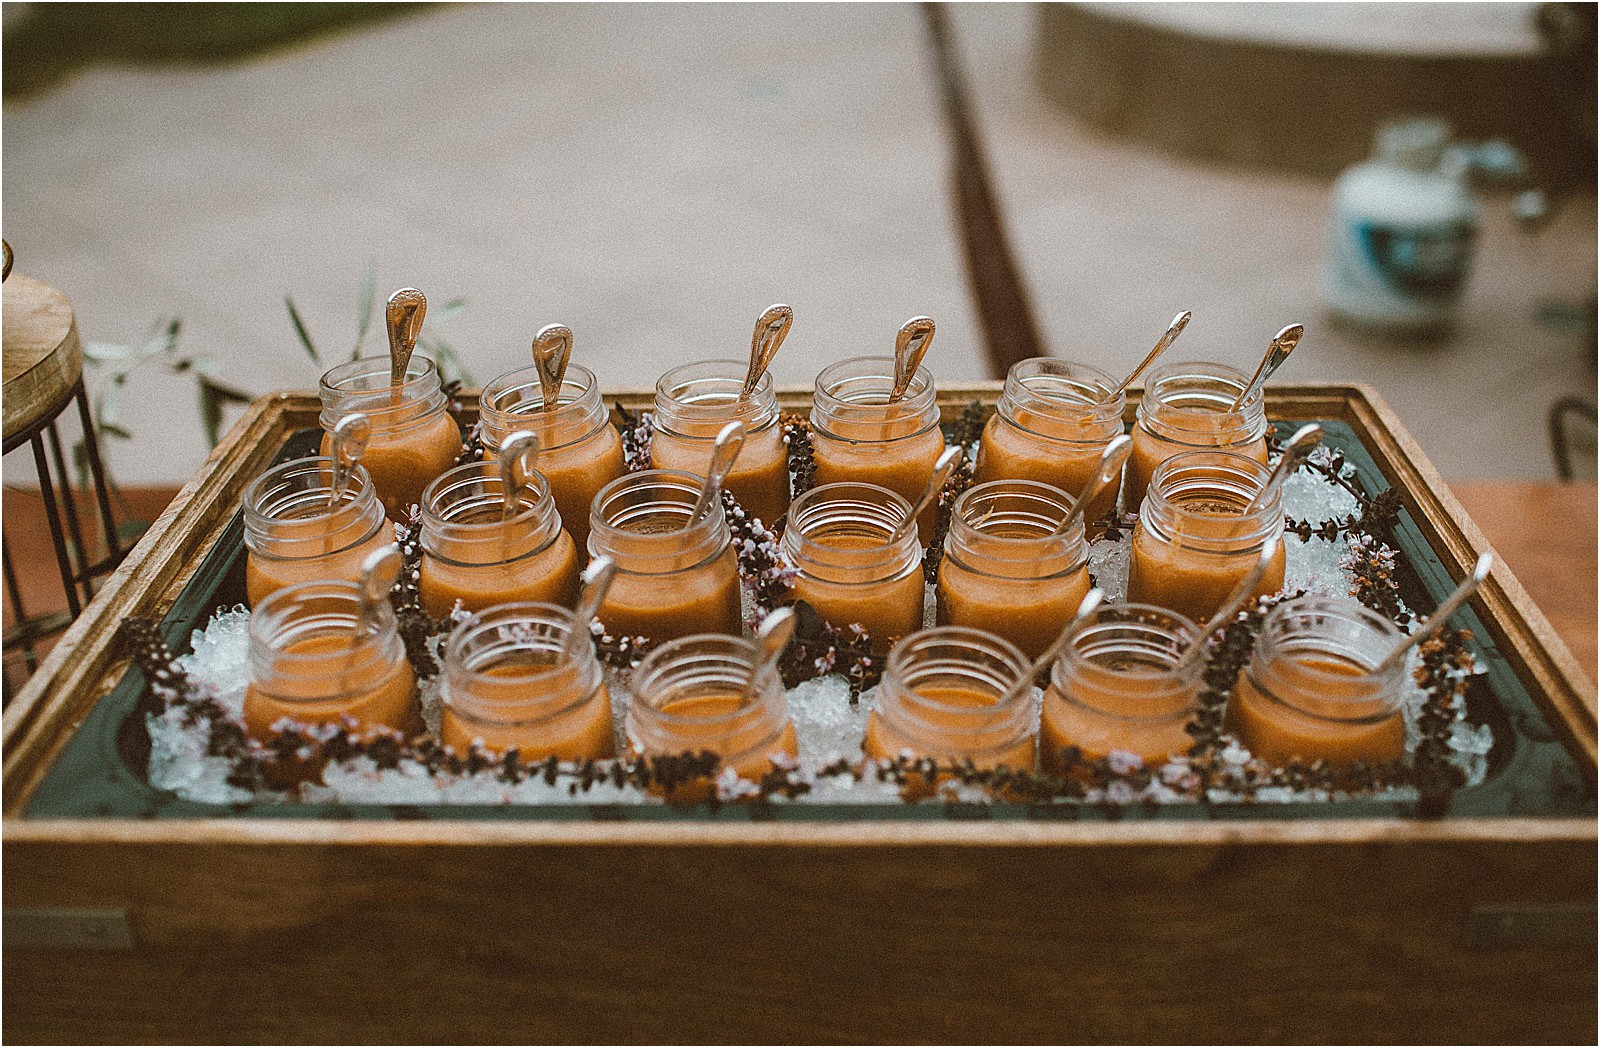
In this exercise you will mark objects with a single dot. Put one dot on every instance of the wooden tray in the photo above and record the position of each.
(1272, 923)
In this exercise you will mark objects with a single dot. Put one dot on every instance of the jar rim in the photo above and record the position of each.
(491, 618)
(536, 485)
(358, 490)
(736, 652)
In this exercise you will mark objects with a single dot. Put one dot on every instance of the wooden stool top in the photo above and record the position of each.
(43, 358)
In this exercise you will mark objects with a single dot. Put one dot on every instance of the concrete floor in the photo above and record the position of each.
(654, 176)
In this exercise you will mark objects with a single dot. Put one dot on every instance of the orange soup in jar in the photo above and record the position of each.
(858, 435)
(1005, 569)
(1051, 425)
(295, 531)
(1195, 541)
(414, 438)
(1310, 690)
(851, 567)
(511, 683)
(697, 694)
(692, 405)
(1120, 685)
(313, 659)
(675, 576)
(943, 696)
(580, 451)
(473, 554)
(1187, 407)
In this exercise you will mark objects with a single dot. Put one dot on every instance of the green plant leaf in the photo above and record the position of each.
(455, 305)
(111, 429)
(105, 352)
(300, 330)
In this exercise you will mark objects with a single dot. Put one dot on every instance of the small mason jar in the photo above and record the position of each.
(472, 553)
(695, 694)
(580, 451)
(1195, 541)
(1310, 690)
(414, 438)
(1119, 686)
(313, 659)
(694, 402)
(294, 531)
(1185, 407)
(1053, 421)
(940, 698)
(510, 684)
(674, 576)
(1005, 570)
(839, 541)
(858, 435)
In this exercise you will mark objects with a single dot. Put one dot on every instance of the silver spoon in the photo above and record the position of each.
(1283, 344)
(379, 572)
(403, 318)
(911, 344)
(1106, 474)
(1090, 604)
(1305, 438)
(941, 472)
(552, 351)
(596, 581)
(516, 456)
(1446, 608)
(771, 329)
(772, 636)
(724, 452)
(1230, 607)
(1174, 329)
(349, 443)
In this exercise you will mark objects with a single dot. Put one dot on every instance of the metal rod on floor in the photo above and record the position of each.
(52, 514)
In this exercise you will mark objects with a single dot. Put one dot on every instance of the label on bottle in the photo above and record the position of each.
(1400, 274)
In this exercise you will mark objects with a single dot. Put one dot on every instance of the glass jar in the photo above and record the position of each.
(312, 659)
(472, 553)
(1309, 690)
(580, 451)
(509, 684)
(858, 435)
(694, 402)
(674, 577)
(1118, 685)
(1005, 570)
(1194, 541)
(838, 539)
(414, 438)
(1053, 421)
(1184, 408)
(940, 698)
(695, 694)
(294, 532)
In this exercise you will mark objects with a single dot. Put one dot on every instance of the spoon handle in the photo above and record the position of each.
(1089, 605)
(516, 457)
(1174, 329)
(1448, 607)
(1305, 438)
(772, 636)
(379, 572)
(724, 452)
(942, 469)
(596, 581)
(403, 318)
(350, 436)
(552, 351)
(1283, 344)
(911, 344)
(771, 329)
(1237, 599)
(1112, 459)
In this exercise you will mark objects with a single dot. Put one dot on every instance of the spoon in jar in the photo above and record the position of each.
(771, 329)
(724, 451)
(1446, 608)
(403, 318)
(1237, 599)
(1305, 438)
(379, 572)
(1106, 474)
(1283, 344)
(596, 580)
(552, 351)
(1089, 605)
(1174, 329)
(942, 469)
(349, 443)
(772, 636)
(516, 457)
(911, 344)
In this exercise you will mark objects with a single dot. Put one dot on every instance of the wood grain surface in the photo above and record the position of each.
(42, 359)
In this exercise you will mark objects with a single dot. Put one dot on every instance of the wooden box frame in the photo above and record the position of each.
(1476, 929)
